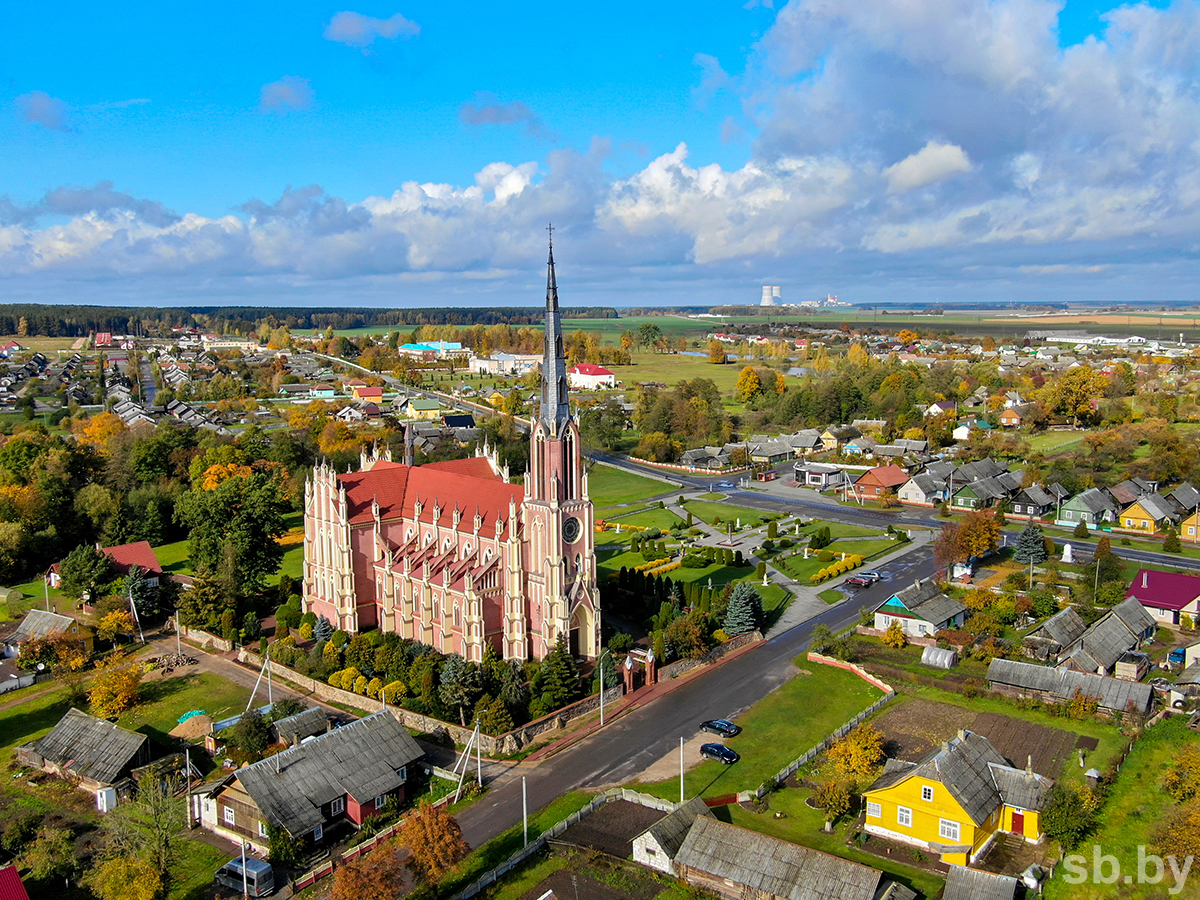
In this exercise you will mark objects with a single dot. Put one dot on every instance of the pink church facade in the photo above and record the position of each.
(451, 554)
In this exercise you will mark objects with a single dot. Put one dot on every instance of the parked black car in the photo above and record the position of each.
(723, 727)
(719, 752)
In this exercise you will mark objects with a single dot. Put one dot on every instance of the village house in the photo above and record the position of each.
(1059, 685)
(590, 377)
(658, 845)
(1166, 596)
(1109, 646)
(419, 408)
(1053, 636)
(921, 611)
(834, 437)
(963, 883)
(955, 800)
(38, 624)
(736, 863)
(1094, 507)
(818, 475)
(344, 775)
(804, 442)
(1131, 489)
(1186, 497)
(941, 407)
(1034, 501)
(124, 557)
(93, 753)
(923, 489)
(1149, 514)
(876, 482)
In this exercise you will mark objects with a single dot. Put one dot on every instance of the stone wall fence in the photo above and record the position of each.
(677, 668)
(499, 745)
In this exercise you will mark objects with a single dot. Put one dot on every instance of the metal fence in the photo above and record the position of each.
(23, 681)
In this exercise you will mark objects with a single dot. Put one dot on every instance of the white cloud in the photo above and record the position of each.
(361, 31)
(933, 162)
(286, 94)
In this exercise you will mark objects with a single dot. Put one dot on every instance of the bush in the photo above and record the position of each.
(825, 556)
(1081, 530)
(306, 631)
(339, 639)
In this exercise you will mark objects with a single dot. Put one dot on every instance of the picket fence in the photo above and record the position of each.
(609, 796)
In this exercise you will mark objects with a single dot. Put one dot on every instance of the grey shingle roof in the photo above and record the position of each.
(1105, 642)
(1038, 495)
(303, 724)
(1135, 616)
(1190, 675)
(937, 609)
(928, 484)
(38, 623)
(91, 748)
(772, 866)
(1095, 500)
(1064, 628)
(669, 831)
(1111, 693)
(1186, 496)
(362, 760)
(1159, 507)
(973, 884)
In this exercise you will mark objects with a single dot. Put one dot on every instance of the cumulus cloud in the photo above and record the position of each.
(42, 109)
(100, 200)
(933, 162)
(486, 109)
(361, 31)
(951, 147)
(287, 94)
(712, 78)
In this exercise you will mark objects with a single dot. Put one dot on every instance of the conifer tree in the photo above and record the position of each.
(1030, 546)
(744, 613)
(560, 677)
(323, 630)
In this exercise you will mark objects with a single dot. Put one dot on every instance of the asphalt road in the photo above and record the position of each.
(627, 746)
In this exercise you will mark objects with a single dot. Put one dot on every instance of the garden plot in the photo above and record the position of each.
(911, 729)
(612, 828)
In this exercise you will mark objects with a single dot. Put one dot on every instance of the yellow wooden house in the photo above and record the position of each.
(1149, 514)
(956, 800)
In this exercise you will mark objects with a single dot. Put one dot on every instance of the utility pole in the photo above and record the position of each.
(524, 813)
(681, 770)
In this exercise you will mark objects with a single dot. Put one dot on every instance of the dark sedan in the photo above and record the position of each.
(723, 727)
(720, 753)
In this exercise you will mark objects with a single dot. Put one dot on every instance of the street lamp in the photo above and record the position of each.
(600, 666)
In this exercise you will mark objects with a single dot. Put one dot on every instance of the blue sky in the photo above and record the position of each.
(948, 151)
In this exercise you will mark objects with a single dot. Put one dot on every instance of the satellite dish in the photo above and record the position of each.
(41, 667)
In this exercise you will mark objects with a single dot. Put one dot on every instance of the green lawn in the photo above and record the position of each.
(831, 596)
(802, 569)
(672, 368)
(198, 863)
(34, 595)
(838, 529)
(709, 512)
(1136, 807)
(777, 730)
(610, 486)
(662, 519)
(491, 854)
(174, 557)
(1055, 441)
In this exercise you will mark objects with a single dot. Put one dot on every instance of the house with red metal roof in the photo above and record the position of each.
(589, 377)
(11, 887)
(1166, 595)
(876, 482)
(124, 558)
(453, 555)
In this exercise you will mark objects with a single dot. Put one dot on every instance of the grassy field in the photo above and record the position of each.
(500, 848)
(610, 486)
(1135, 809)
(672, 368)
(776, 730)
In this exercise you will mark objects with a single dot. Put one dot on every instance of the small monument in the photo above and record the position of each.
(1067, 556)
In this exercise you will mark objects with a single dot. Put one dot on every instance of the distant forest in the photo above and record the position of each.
(79, 321)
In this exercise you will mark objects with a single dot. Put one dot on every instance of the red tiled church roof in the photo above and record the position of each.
(396, 488)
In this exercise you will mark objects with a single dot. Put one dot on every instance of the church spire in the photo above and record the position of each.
(555, 403)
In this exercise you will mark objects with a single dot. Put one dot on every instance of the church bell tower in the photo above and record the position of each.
(559, 519)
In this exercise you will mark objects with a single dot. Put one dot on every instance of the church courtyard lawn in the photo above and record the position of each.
(776, 730)
(610, 486)
(709, 512)
(802, 570)
(837, 529)
(662, 519)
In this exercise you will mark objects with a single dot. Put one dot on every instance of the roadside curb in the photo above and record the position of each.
(635, 701)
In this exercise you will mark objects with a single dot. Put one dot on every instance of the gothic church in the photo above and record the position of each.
(450, 553)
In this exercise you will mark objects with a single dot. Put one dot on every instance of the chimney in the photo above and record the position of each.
(962, 734)
(1028, 765)
(1145, 577)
